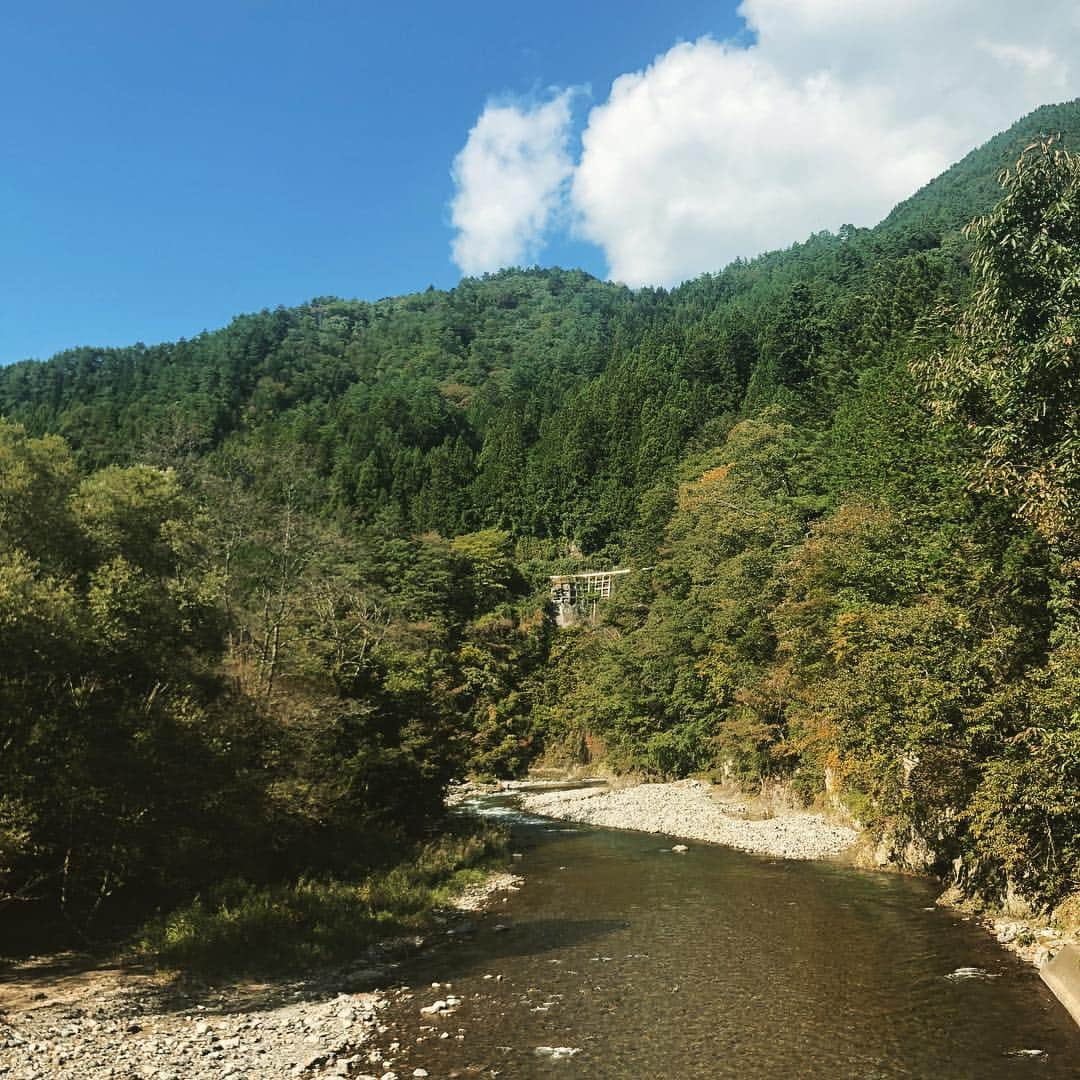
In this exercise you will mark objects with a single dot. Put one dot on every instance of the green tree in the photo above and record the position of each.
(1010, 374)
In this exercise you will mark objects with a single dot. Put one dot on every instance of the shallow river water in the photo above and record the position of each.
(714, 963)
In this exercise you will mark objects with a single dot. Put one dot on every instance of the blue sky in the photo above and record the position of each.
(164, 168)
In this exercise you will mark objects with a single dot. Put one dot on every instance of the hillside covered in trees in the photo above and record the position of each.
(265, 591)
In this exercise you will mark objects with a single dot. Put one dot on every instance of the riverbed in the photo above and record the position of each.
(620, 957)
(694, 810)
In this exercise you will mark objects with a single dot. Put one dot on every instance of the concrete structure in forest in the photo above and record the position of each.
(576, 597)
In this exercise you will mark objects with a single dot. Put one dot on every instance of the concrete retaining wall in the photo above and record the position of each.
(1062, 975)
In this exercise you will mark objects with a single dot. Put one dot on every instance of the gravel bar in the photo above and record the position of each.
(691, 810)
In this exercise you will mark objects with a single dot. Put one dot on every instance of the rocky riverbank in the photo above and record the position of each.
(1036, 940)
(118, 1025)
(63, 1018)
(693, 810)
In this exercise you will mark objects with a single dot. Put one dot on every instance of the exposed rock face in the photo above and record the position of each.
(903, 849)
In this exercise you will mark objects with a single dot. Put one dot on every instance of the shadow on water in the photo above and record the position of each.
(489, 949)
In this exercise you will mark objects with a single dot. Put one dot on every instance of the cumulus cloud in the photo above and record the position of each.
(510, 179)
(835, 112)
(839, 109)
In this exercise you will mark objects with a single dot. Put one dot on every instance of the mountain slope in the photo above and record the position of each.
(542, 401)
(970, 187)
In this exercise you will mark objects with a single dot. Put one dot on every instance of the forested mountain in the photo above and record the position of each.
(541, 401)
(296, 568)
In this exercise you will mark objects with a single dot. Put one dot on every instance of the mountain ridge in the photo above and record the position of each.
(974, 174)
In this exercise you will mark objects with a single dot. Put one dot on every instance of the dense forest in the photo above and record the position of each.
(265, 591)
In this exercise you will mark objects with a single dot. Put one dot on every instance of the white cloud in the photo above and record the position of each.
(510, 179)
(712, 154)
(840, 109)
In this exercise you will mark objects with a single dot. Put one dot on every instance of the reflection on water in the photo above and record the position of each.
(721, 964)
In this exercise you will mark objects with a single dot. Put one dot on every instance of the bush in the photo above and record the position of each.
(243, 928)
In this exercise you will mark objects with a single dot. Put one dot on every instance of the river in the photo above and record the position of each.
(714, 963)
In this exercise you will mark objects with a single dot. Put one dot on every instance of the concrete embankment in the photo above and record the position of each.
(1062, 975)
(692, 810)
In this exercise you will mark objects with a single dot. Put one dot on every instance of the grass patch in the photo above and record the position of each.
(241, 928)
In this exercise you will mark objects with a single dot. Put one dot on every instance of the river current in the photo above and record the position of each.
(621, 958)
